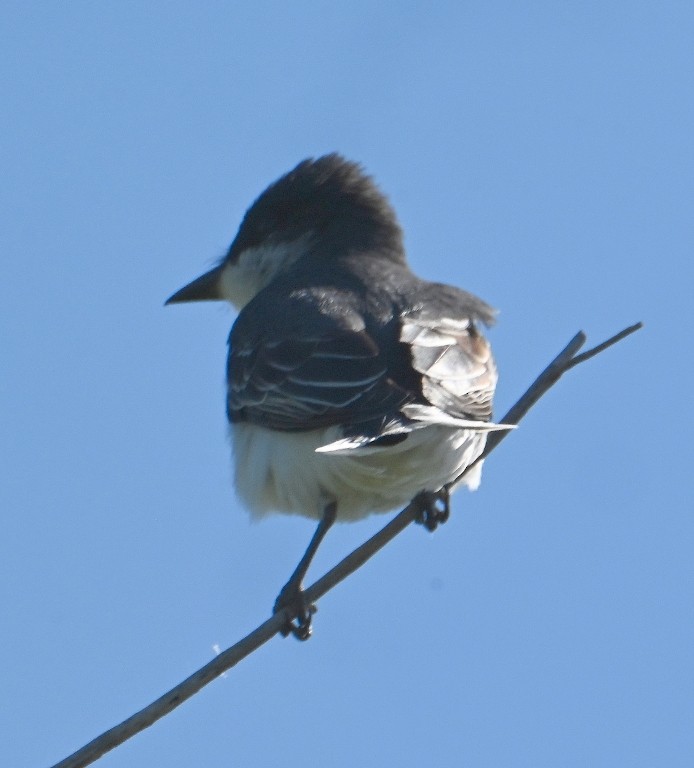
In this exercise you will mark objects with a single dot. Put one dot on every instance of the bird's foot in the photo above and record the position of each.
(298, 610)
(432, 508)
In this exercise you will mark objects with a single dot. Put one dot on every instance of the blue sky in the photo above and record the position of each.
(539, 154)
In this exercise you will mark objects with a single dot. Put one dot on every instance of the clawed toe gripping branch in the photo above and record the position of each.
(433, 508)
(429, 509)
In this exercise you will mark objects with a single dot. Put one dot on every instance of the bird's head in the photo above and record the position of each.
(322, 209)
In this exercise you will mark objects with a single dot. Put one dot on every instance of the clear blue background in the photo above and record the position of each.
(539, 154)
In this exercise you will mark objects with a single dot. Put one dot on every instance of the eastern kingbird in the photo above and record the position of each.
(353, 385)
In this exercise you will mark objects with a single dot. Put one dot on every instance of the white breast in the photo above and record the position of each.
(281, 471)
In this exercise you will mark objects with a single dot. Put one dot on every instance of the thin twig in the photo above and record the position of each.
(601, 347)
(563, 362)
(92, 751)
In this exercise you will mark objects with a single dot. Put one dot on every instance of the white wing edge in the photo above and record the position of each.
(364, 443)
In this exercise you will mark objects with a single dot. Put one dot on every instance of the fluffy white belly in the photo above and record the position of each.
(281, 471)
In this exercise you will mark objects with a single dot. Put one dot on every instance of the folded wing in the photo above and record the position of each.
(311, 382)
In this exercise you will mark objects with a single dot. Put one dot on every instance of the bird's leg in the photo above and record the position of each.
(291, 595)
(433, 508)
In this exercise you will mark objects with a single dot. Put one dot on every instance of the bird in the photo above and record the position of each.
(353, 385)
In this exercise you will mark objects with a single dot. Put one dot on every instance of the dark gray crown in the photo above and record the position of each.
(330, 197)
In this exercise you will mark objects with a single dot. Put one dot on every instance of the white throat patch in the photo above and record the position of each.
(257, 267)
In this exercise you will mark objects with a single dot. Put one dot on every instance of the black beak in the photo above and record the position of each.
(204, 288)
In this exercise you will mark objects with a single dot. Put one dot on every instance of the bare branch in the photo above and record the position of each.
(92, 751)
(601, 347)
(563, 362)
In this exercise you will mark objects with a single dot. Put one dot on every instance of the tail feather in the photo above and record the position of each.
(416, 417)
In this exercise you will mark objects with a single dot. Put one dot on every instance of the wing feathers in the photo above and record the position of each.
(455, 363)
(441, 371)
(311, 382)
